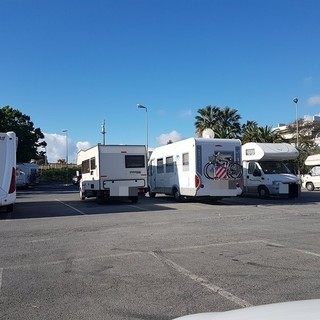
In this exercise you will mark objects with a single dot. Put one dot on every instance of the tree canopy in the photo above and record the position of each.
(224, 122)
(251, 132)
(28, 136)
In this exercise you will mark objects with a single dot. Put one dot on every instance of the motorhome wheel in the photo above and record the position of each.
(263, 192)
(310, 186)
(176, 195)
(151, 194)
(81, 194)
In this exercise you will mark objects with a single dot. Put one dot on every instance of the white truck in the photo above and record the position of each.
(8, 149)
(264, 171)
(311, 181)
(113, 171)
(28, 174)
(196, 167)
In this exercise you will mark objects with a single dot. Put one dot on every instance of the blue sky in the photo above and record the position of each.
(70, 64)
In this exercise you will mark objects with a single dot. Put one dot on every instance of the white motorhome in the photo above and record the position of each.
(113, 171)
(27, 174)
(264, 172)
(8, 149)
(311, 181)
(196, 167)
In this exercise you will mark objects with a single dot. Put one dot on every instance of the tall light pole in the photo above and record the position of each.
(140, 106)
(66, 132)
(296, 100)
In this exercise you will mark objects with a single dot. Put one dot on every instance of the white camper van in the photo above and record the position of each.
(113, 171)
(27, 174)
(8, 149)
(196, 167)
(264, 172)
(311, 181)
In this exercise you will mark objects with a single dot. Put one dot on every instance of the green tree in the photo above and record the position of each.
(207, 118)
(229, 125)
(224, 122)
(269, 135)
(28, 136)
(308, 131)
(251, 132)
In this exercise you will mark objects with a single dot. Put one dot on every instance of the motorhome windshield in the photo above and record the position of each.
(272, 167)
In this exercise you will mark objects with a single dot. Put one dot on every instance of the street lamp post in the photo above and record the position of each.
(140, 106)
(66, 132)
(296, 100)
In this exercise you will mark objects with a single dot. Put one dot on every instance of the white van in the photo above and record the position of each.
(113, 171)
(264, 172)
(311, 181)
(8, 149)
(196, 167)
(28, 174)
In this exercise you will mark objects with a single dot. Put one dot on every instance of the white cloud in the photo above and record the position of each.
(313, 101)
(83, 145)
(165, 137)
(56, 147)
(185, 113)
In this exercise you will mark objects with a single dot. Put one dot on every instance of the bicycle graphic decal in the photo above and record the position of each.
(220, 166)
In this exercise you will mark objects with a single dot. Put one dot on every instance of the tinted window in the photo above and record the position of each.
(85, 168)
(92, 163)
(160, 165)
(169, 164)
(135, 161)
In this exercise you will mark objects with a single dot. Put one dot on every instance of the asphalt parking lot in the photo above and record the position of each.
(62, 258)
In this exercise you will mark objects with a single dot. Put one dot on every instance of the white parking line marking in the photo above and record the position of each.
(307, 252)
(67, 205)
(205, 283)
(293, 249)
(213, 245)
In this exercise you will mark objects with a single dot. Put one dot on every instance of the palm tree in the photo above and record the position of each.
(267, 134)
(229, 123)
(224, 122)
(207, 119)
(251, 132)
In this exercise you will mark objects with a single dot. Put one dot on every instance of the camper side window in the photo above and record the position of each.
(92, 163)
(85, 167)
(169, 164)
(160, 165)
